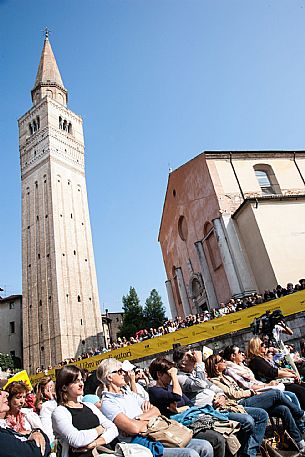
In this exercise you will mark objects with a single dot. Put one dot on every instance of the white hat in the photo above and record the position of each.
(127, 366)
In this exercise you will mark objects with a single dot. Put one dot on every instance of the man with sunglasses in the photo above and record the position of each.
(193, 381)
(13, 444)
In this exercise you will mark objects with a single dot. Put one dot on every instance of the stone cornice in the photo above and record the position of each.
(45, 101)
(255, 155)
(32, 110)
(52, 159)
(64, 109)
(293, 194)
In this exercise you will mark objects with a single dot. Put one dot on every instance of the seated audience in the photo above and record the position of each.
(130, 412)
(273, 401)
(167, 396)
(265, 372)
(194, 384)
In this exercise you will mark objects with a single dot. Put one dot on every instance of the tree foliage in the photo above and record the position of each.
(6, 361)
(133, 319)
(154, 311)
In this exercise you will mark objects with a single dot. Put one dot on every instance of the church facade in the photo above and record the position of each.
(61, 312)
(232, 224)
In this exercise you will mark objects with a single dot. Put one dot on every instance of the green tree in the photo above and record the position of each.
(154, 311)
(6, 361)
(133, 319)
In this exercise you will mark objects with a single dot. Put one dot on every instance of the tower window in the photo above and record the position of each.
(69, 127)
(81, 322)
(78, 298)
(65, 126)
(40, 303)
(74, 252)
(60, 122)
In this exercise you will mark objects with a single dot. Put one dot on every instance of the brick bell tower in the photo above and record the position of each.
(61, 313)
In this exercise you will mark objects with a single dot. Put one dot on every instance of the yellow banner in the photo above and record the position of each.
(21, 376)
(221, 326)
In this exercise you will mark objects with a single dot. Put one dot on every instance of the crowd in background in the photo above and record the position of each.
(172, 325)
(232, 306)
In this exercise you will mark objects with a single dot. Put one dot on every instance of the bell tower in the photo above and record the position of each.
(61, 313)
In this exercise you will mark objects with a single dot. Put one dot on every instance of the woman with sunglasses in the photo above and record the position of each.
(273, 401)
(131, 413)
(265, 372)
(79, 426)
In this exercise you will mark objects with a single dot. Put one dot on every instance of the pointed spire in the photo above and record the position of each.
(48, 80)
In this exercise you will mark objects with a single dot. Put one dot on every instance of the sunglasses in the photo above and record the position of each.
(119, 371)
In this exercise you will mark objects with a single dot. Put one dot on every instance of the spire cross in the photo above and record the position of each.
(46, 32)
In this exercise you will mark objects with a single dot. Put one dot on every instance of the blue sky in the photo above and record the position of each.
(157, 82)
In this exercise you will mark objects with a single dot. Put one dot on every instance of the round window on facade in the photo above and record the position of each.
(182, 228)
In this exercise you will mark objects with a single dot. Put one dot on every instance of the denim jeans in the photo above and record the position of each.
(270, 399)
(277, 404)
(195, 448)
(252, 432)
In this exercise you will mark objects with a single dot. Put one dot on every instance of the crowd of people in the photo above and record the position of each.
(169, 326)
(232, 306)
(226, 401)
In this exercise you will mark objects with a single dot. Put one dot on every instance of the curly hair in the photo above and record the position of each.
(16, 388)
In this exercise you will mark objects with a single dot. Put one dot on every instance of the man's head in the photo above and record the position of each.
(233, 354)
(184, 359)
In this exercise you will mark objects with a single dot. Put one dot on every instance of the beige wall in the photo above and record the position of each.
(282, 226)
(273, 234)
(253, 243)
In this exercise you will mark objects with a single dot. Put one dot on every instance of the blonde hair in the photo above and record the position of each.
(254, 347)
(105, 368)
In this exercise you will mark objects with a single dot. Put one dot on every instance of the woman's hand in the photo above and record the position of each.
(39, 440)
(99, 430)
(146, 406)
